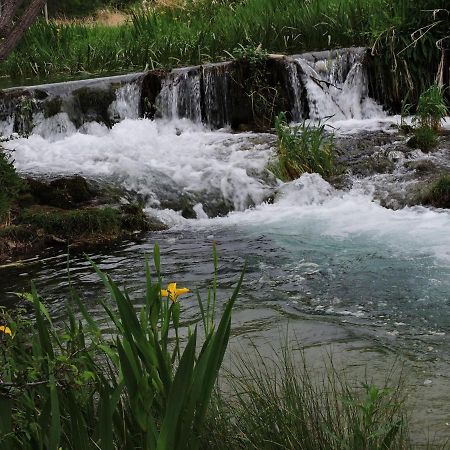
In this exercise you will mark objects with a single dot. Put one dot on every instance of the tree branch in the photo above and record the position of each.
(26, 20)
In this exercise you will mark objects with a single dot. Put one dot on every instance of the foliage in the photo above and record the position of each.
(424, 138)
(438, 194)
(192, 34)
(431, 108)
(130, 385)
(72, 223)
(10, 184)
(303, 148)
(408, 37)
(282, 405)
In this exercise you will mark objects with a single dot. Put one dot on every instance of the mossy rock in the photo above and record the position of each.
(94, 103)
(65, 193)
(438, 194)
(134, 219)
(52, 107)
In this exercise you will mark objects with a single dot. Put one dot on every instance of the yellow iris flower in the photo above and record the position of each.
(5, 330)
(172, 292)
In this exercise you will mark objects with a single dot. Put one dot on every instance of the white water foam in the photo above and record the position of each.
(309, 208)
(331, 95)
(151, 156)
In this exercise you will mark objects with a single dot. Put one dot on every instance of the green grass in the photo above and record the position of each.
(431, 108)
(300, 149)
(73, 223)
(281, 404)
(202, 31)
(438, 194)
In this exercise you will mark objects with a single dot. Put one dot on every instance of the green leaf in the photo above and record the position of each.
(55, 426)
(176, 401)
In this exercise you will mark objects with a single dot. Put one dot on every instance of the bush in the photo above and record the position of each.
(10, 184)
(303, 148)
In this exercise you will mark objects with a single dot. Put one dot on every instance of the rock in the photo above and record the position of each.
(421, 166)
(65, 193)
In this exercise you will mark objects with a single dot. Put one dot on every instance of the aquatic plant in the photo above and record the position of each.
(133, 383)
(279, 403)
(302, 148)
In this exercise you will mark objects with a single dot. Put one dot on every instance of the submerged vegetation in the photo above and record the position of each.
(302, 148)
(134, 382)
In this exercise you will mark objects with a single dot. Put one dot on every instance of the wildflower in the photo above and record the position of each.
(5, 330)
(172, 292)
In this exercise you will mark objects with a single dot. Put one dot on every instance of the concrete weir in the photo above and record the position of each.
(237, 94)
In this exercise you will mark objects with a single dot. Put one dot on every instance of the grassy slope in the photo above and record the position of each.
(205, 31)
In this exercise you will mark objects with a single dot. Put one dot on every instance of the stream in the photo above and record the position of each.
(346, 276)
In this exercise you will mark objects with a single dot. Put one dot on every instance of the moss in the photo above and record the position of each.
(438, 194)
(75, 223)
(52, 107)
(133, 219)
(95, 102)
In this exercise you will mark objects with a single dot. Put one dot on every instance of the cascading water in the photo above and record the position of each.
(336, 84)
(180, 95)
(366, 274)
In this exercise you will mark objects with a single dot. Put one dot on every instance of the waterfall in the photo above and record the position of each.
(324, 85)
(336, 84)
(180, 95)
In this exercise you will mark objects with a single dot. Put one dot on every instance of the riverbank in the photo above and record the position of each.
(70, 213)
(205, 31)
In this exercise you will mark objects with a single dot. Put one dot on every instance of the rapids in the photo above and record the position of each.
(334, 267)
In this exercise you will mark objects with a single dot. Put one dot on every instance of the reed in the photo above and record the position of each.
(200, 31)
(279, 403)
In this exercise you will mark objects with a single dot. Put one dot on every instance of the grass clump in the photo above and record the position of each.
(10, 185)
(135, 384)
(73, 223)
(303, 148)
(438, 194)
(431, 110)
(281, 405)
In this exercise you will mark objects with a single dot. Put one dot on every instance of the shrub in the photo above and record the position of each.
(10, 184)
(303, 148)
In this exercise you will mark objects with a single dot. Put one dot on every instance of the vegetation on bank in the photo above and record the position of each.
(132, 381)
(406, 38)
(35, 214)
